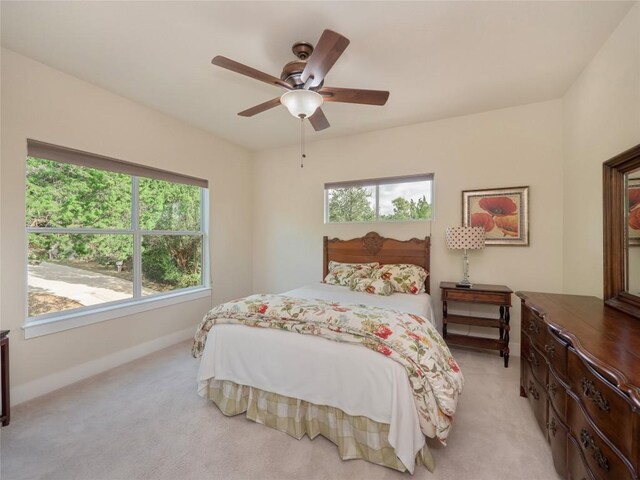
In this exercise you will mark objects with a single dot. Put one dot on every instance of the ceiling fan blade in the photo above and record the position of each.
(318, 121)
(234, 66)
(354, 95)
(250, 112)
(327, 51)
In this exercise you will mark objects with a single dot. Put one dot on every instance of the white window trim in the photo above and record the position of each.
(47, 324)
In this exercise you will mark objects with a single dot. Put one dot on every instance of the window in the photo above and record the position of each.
(378, 200)
(105, 232)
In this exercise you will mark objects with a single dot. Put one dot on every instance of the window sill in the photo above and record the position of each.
(65, 321)
(361, 222)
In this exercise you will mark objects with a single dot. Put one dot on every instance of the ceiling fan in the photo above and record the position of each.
(304, 81)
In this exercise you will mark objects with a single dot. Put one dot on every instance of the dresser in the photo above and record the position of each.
(580, 370)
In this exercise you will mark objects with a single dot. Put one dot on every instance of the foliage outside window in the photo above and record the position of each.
(385, 199)
(97, 236)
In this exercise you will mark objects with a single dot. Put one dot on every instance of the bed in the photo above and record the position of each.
(303, 384)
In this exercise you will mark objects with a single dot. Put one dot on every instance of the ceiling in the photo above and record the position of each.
(438, 59)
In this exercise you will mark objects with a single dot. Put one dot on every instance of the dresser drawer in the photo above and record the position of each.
(555, 350)
(557, 394)
(537, 397)
(603, 461)
(607, 408)
(576, 464)
(557, 435)
(535, 360)
(461, 295)
(535, 327)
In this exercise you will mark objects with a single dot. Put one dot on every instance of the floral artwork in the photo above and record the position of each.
(633, 190)
(503, 213)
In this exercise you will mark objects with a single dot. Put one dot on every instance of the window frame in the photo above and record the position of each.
(52, 322)
(377, 183)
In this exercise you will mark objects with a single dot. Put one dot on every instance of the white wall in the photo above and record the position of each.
(601, 119)
(44, 104)
(503, 148)
(556, 148)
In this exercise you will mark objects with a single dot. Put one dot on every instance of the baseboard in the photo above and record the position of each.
(35, 388)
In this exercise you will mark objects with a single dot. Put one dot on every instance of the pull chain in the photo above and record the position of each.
(302, 154)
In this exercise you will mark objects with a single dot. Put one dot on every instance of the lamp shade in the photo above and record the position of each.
(465, 238)
(301, 103)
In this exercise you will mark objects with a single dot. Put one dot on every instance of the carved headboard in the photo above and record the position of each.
(374, 248)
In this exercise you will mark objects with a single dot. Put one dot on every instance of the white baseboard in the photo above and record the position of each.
(35, 388)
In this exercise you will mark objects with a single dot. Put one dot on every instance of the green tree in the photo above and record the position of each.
(404, 209)
(170, 259)
(68, 196)
(350, 205)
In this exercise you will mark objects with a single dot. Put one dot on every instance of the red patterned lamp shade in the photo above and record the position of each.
(465, 238)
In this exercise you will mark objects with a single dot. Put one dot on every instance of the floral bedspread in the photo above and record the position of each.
(434, 376)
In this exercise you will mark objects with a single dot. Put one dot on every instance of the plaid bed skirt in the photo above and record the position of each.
(355, 436)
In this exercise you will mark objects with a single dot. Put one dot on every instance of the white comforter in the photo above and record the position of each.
(354, 379)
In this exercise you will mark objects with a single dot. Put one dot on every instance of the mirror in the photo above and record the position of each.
(633, 233)
(621, 191)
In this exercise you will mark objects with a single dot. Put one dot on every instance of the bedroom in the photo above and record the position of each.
(577, 106)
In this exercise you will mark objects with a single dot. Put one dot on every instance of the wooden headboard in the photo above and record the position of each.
(374, 248)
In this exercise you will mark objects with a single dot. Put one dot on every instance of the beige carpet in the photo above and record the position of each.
(144, 420)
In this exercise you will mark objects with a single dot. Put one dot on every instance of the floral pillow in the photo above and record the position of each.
(343, 273)
(405, 278)
(370, 285)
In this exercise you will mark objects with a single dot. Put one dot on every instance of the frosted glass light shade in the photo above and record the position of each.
(301, 103)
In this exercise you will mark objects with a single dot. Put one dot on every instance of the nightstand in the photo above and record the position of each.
(478, 294)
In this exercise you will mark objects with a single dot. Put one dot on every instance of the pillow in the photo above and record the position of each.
(342, 273)
(405, 278)
(370, 285)
(333, 265)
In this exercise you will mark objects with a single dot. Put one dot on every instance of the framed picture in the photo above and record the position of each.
(502, 212)
(633, 191)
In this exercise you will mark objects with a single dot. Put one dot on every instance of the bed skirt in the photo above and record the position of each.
(355, 436)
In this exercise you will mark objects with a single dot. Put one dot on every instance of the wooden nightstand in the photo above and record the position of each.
(479, 294)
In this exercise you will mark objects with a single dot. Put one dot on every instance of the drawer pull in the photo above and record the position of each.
(591, 392)
(589, 443)
(533, 359)
(550, 349)
(534, 328)
(552, 387)
(532, 390)
(552, 427)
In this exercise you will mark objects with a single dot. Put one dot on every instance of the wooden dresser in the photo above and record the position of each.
(580, 370)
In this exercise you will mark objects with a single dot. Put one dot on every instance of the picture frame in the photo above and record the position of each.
(633, 211)
(502, 212)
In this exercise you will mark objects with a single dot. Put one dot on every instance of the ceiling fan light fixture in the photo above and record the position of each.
(301, 103)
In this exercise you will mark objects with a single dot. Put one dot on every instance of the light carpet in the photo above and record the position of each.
(144, 420)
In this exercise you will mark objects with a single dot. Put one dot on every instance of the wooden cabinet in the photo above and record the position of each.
(5, 416)
(480, 294)
(580, 370)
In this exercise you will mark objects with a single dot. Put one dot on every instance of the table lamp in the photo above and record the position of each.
(465, 238)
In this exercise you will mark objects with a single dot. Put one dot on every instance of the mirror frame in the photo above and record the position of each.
(615, 231)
